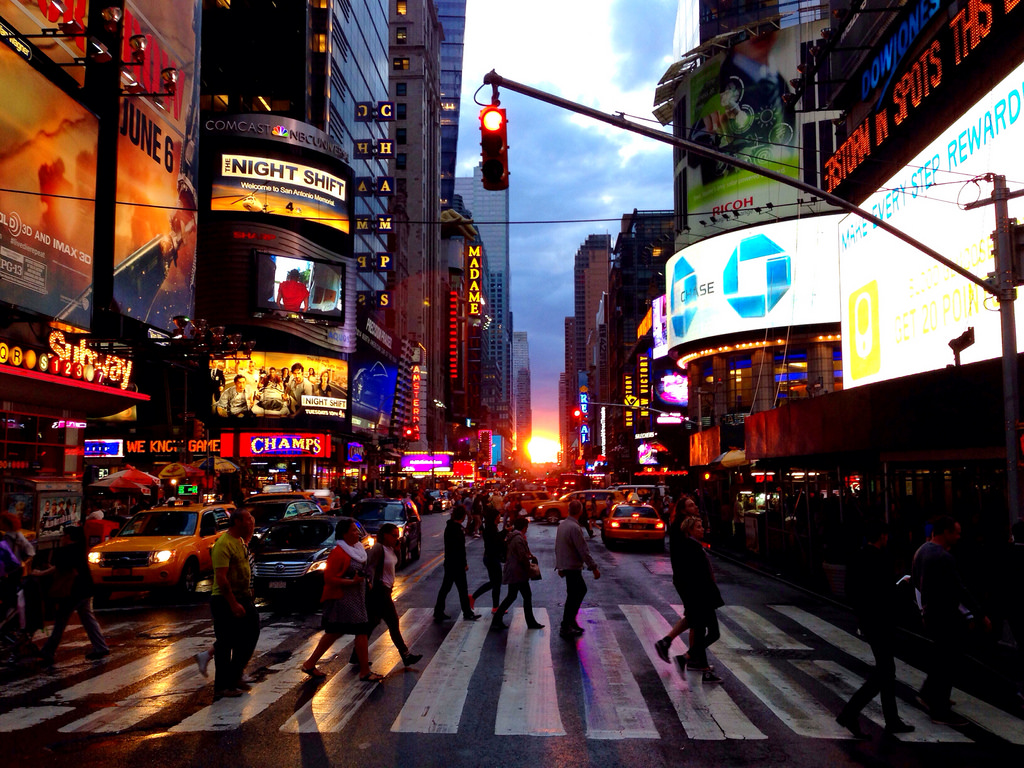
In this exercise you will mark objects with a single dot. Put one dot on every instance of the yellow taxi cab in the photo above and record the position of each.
(163, 547)
(633, 522)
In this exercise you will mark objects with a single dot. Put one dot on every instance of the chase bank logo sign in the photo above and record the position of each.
(683, 298)
(759, 297)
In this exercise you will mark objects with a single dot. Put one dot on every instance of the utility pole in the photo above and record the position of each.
(1003, 287)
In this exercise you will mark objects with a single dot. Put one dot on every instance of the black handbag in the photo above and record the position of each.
(535, 574)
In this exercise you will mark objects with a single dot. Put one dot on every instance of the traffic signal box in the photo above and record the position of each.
(494, 148)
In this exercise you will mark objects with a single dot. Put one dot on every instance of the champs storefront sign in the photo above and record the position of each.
(275, 444)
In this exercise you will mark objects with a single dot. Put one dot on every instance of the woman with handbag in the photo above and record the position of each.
(519, 563)
(344, 601)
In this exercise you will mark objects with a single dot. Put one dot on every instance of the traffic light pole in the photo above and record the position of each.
(1003, 288)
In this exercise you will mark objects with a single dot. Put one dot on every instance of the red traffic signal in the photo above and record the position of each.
(494, 148)
(577, 413)
(408, 432)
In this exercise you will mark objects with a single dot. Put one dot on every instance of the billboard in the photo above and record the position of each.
(373, 391)
(659, 327)
(31, 17)
(275, 388)
(900, 309)
(275, 182)
(157, 173)
(772, 276)
(47, 195)
(420, 463)
(306, 287)
(735, 106)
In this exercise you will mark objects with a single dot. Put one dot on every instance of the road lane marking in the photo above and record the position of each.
(26, 717)
(338, 700)
(707, 713)
(982, 714)
(171, 690)
(615, 707)
(762, 630)
(528, 702)
(842, 682)
(435, 704)
(228, 714)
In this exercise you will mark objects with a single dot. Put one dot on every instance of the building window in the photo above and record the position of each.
(400, 63)
(402, 7)
(400, 110)
(261, 104)
(401, 136)
(790, 375)
(740, 387)
(400, 159)
(401, 89)
(837, 368)
(402, 35)
(319, 43)
(319, 3)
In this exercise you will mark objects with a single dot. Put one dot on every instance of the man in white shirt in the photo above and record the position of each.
(236, 399)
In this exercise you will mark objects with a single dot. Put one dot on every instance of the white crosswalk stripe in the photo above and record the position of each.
(788, 676)
(343, 694)
(615, 707)
(528, 702)
(706, 712)
(981, 713)
(435, 704)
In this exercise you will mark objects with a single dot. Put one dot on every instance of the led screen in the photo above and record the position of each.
(279, 385)
(772, 276)
(900, 309)
(373, 391)
(306, 287)
(47, 195)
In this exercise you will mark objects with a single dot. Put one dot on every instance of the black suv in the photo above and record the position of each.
(372, 513)
(269, 511)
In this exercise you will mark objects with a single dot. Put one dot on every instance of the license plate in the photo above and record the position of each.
(120, 571)
(278, 585)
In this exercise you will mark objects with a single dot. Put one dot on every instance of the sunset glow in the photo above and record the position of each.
(543, 450)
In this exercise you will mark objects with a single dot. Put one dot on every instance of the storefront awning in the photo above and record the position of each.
(27, 387)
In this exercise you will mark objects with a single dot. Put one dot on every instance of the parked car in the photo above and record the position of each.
(372, 513)
(554, 511)
(270, 511)
(633, 523)
(163, 547)
(290, 558)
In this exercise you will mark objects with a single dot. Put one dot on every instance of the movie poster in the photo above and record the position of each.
(373, 391)
(47, 195)
(31, 17)
(279, 385)
(157, 173)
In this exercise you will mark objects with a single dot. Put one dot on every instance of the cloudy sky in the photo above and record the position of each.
(606, 54)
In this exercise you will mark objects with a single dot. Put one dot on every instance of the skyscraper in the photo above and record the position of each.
(521, 389)
(452, 15)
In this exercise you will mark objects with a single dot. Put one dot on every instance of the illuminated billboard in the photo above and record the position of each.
(277, 183)
(31, 17)
(279, 385)
(157, 173)
(47, 195)
(900, 309)
(659, 327)
(420, 463)
(773, 276)
(300, 286)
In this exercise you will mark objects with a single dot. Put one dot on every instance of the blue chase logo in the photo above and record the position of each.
(778, 277)
(683, 299)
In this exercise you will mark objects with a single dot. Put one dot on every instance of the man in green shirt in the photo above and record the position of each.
(236, 624)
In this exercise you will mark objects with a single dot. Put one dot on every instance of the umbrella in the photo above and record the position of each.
(131, 475)
(177, 471)
(119, 484)
(732, 458)
(216, 463)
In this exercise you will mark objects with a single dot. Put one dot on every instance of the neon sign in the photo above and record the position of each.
(285, 445)
(474, 275)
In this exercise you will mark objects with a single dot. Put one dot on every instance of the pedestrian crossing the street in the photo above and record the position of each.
(780, 667)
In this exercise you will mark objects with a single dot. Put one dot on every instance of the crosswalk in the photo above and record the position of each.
(782, 677)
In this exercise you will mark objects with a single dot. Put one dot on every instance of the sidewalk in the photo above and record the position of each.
(998, 661)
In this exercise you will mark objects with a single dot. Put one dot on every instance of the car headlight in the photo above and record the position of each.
(94, 558)
(163, 556)
(320, 565)
(401, 531)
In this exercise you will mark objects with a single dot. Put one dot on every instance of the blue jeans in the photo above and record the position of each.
(92, 627)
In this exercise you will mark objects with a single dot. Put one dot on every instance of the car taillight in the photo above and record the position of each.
(614, 524)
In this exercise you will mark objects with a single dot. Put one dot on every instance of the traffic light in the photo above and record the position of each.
(576, 414)
(408, 433)
(494, 148)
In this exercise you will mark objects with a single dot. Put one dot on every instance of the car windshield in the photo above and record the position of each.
(627, 511)
(269, 511)
(309, 534)
(177, 522)
(384, 512)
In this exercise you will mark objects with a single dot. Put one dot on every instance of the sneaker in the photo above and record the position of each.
(229, 693)
(710, 677)
(96, 655)
(471, 617)
(411, 658)
(949, 717)
(661, 647)
(203, 662)
(439, 617)
(898, 726)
